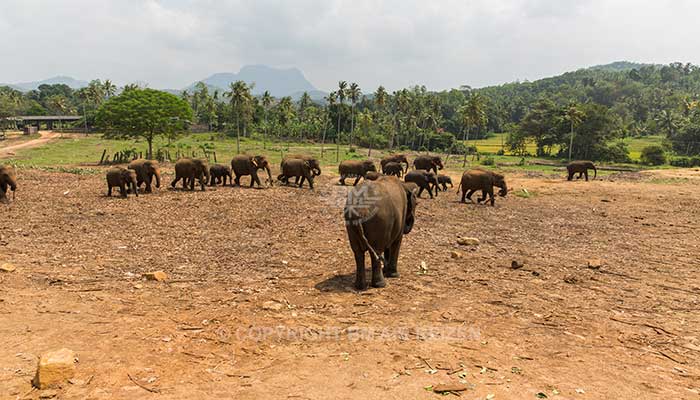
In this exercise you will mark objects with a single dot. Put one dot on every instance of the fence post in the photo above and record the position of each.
(104, 152)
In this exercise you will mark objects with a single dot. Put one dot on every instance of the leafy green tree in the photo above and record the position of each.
(574, 116)
(144, 113)
(653, 155)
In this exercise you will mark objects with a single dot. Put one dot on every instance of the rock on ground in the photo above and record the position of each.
(55, 368)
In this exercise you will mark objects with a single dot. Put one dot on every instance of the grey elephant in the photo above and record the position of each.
(580, 167)
(297, 168)
(425, 180)
(395, 158)
(146, 170)
(220, 174)
(357, 168)
(478, 179)
(312, 161)
(377, 215)
(428, 163)
(443, 180)
(392, 168)
(124, 179)
(8, 180)
(189, 169)
(243, 165)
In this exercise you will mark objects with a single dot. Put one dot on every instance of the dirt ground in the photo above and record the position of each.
(259, 301)
(17, 142)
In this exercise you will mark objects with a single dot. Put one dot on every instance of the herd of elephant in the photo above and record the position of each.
(376, 228)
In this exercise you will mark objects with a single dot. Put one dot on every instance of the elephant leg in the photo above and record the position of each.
(357, 180)
(493, 199)
(377, 275)
(585, 173)
(311, 182)
(238, 180)
(469, 194)
(483, 196)
(420, 191)
(464, 196)
(255, 178)
(360, 279)
(296, 180)
(342, 180)
(109, 191)
(301, 181)
(391, 257)
(444, 187)
(571, 176)
(174, 182)
(430, 192)
(122, 190)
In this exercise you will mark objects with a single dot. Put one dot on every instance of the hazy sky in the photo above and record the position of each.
(439, 43)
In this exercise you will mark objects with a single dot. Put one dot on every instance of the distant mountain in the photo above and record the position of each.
(27, 86)
(279, 82)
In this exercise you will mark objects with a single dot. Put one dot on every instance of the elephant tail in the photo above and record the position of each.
(360, 232)
(595, 172)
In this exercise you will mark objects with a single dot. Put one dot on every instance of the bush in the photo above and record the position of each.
(488, 161)
(500, 152)
(352, 150)
(685, 162)
(653, 155)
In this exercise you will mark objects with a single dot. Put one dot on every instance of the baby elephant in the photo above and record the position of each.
(425, 180)
(218, 174)
(122, 178)
(373, 176)
(392, 168)
(478, 179)
(443, 180)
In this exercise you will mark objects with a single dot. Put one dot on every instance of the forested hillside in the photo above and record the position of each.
(580, 114)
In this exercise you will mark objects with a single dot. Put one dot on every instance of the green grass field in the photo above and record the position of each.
(85, 151)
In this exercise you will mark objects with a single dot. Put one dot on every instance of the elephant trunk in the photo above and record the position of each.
(504, 190)
(317, 171)
(156, 174)
(134, 188)
(405, 170)
(206, 176)
(269, 174)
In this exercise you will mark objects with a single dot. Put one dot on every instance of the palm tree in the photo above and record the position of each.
(354, 94)
(574, 115)
(109, 88)
(239, 94)
(366, 121)
(342, 89)
(472, 114)
(266, 102)
(330, 102)
(668, 121)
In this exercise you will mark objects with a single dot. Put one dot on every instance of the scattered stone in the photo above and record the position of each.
(571, 279)
(138, 286)
(455, 254)
(7, 267)
(450, 387)
(159, 276)
(55, 368)
(468, 241)
(595, 263)
(48, 394)
(517, 264)
(272, 306)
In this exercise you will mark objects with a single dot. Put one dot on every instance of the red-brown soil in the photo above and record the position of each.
(259, 302)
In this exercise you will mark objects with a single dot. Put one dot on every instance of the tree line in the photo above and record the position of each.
(581, 114)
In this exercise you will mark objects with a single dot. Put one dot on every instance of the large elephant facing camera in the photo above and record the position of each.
(189, 169)
(8, 180)
(377, 215)
(243, 165)
(146, 170)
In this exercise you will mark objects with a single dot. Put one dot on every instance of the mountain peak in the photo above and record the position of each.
(279, 82)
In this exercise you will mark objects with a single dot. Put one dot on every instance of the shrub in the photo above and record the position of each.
(488, 161)
(653, 155)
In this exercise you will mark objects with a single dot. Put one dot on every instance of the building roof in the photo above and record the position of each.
(44, 118)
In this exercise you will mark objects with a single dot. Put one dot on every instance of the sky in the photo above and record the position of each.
(396, 43)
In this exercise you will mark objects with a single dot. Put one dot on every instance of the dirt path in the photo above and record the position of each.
(46, 136)
(260, 304)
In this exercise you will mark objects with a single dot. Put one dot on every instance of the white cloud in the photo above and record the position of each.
(393, 42)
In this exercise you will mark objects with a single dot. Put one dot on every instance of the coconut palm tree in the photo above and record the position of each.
(109, 88)
(239, 95)
(472, 114)
(266, 102)
(574, 116)
(330, 102)
(342, 91)
(353, 93)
